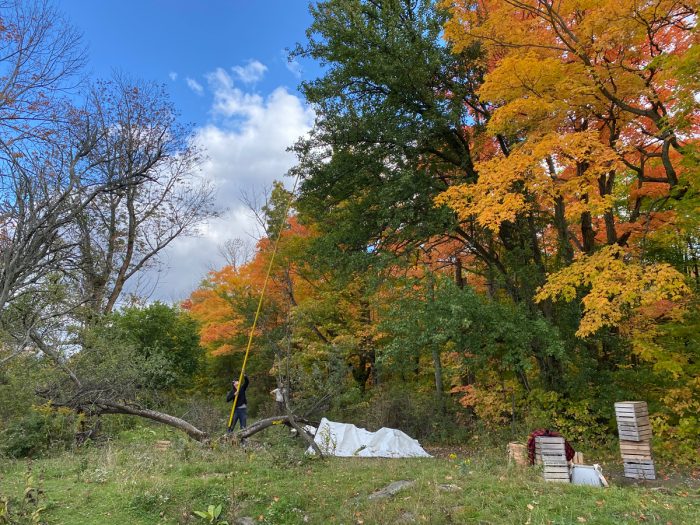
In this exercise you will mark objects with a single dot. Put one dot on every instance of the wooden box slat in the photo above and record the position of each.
(635, 446)
(555, 468)
(549, 440)
(636, 456)
(633, 405)
(639, 469)
(632, 412)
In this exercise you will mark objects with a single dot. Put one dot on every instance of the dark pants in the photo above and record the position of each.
(240, 416)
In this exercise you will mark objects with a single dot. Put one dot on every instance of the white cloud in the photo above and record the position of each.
(230, 101)
(194, 85)
(251, 73)
(173, 76)
(246, 149)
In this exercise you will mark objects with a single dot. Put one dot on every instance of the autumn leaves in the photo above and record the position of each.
(593, 102)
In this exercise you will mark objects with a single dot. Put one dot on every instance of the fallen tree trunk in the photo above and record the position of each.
(306, 435)
(265, 423)
(111, 407)
(92, 401)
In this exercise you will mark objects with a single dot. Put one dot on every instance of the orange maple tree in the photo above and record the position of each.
(597, 99)
(225, 302)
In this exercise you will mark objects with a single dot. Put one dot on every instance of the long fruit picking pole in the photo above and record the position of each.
(260, 302)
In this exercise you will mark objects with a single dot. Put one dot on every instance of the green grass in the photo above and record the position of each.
(129, 481)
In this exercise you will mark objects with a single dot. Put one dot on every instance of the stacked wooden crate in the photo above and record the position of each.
(635, 439)
(551, 451)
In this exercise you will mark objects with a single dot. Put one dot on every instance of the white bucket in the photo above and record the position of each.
(588, 475)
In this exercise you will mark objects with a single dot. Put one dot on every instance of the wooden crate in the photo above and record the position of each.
(553, 457)
(639, 469)
(633, 421)
(517, 453)
(635, 450)
(559, 473)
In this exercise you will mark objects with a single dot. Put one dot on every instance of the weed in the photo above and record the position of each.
(211, 515)
(282, 510)
(28, 509)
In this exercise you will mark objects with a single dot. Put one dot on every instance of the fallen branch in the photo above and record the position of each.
(111, 407)
(306, 435)
(266, 423)
(301, 431)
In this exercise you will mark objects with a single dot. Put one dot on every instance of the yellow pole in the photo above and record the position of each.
(260, 301)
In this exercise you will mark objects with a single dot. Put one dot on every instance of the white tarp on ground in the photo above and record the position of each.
(343, 439)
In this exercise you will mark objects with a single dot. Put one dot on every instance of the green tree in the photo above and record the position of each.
(166, 338)
(391, 131)
(400, 121)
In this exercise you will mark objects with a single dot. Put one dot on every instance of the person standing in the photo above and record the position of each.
(240, 411)
(279, 394)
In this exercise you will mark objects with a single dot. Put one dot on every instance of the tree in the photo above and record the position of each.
(389, 139)
(90, 196)
(40, 56)
(601, 116)
(167, 340)
(122, 232)
(148, 196)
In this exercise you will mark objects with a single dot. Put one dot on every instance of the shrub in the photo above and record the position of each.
(43, 428)
(415, 413)
(576, 420)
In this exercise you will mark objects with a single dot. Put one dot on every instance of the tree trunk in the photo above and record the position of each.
(459, 277)
(435, 351)
(111, 407)
(438, 378)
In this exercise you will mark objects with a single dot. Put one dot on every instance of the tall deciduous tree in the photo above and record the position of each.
(600, 114)
(122, 231)
(40, 55)
(390, 138)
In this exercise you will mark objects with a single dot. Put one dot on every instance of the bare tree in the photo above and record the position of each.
(150, 194)
(236, 252)
(40, 55)
(122, 231)
(89, 197)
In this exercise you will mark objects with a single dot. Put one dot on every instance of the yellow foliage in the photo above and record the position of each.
(573, 84)
(618, 291)
(492, 402)
(536, 173)
(536, 93)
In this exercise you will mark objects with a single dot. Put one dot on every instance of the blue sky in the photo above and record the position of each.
(225, 65)
(161, 39)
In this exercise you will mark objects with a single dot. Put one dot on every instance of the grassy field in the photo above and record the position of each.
(129, 481)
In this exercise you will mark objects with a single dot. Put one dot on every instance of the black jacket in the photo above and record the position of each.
(241, 397)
